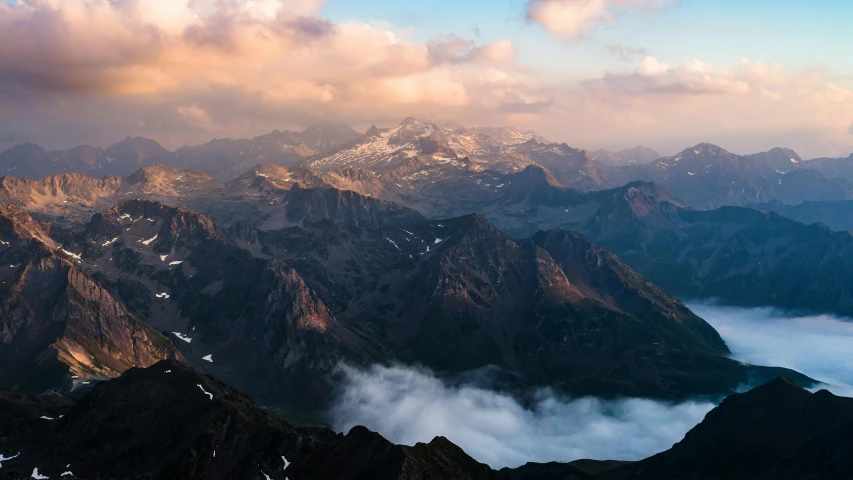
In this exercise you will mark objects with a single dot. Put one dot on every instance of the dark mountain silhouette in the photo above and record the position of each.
(167, 421)
(776, 431)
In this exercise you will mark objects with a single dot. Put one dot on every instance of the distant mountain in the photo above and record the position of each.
(411, 154)
(167, 421)
(632, 156)
(781, 159)
(56, 321)
(508, 135)
(27, 160)
(742, 256)
(226, 159)
(707, 176)
(270, 195)
(133, 153)
(573, 167)
(389, 150)
(840, 168)
(223, 159)
(837, 215)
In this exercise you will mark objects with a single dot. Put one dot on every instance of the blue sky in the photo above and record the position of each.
(801, 34)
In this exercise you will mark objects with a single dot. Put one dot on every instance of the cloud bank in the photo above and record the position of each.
(817, 345)
(409, 405)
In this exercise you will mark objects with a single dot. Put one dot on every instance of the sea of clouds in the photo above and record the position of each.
(409, 405)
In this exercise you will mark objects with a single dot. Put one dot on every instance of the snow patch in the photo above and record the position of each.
(163, 258)
(37, 476)
(691, 173)
(393, 243)
(182, 337)
(71, 254)
(177, 262)
(437, 241)
(205, 391)
(208, 358)
(162, 295)
(3, 458)
(67, 474)
(109, 242)
(47, 418)
(149, 241)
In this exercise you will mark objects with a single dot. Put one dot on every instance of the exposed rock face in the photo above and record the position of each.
(174, 228)
(459, 294)
(263, 319)
(346, 208)
(168, 422)
(57, 321)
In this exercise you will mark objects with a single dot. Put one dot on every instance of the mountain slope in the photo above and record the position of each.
(459, 294)
(252, 321)
(56, 321)
(741, 256)
(778, 430)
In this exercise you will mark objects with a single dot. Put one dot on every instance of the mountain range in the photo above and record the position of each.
(288, 305)
(130, 274)
(419, 162)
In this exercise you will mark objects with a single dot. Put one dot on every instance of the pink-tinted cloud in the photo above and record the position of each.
(94, 71)
(573, 18)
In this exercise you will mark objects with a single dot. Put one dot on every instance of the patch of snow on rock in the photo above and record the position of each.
(205, 391)
(182, 337)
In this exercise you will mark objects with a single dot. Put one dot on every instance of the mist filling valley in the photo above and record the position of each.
(409, 405)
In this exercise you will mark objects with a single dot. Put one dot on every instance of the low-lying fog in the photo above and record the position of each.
(409, 405)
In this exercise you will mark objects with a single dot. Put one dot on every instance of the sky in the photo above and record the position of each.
(747, 75)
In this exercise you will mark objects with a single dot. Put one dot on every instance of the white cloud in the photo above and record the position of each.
(573, 18)
(194, 115)
(150, 59)
(410, 405)
(816, 345)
